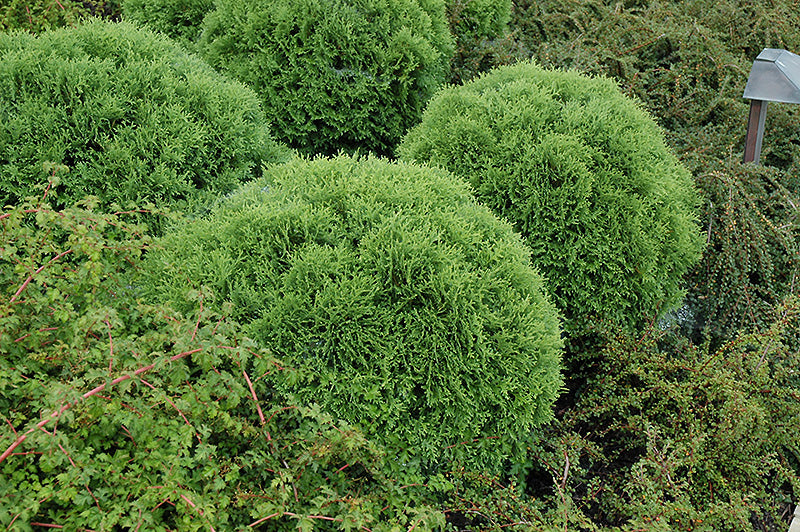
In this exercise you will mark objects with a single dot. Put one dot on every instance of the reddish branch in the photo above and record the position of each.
(57, 414)
(30, 277)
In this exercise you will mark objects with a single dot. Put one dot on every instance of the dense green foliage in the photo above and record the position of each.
(180, 19)
(334, 75)
(121, 415)
(583, 174)
(474, 25)
(39, 15)
(118, 112)
(671, 436)
(411, 310)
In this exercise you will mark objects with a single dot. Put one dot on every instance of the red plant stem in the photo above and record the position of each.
(30, 277)
(46, 525)
(254, 523)
(255, 398)
(111, 346)
(176, 408)
(56, 414)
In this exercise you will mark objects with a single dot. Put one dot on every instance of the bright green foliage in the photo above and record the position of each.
(153, 420)
(39, 15)
(671, 436)
(124, 114)
(583, 174)
(349, 75)
(409, 308)
(180, 19)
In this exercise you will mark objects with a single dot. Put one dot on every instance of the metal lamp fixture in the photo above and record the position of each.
(775, 77)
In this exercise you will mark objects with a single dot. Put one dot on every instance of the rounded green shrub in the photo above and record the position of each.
(410, 309)
(180, 19)
(583, 174)
(123, 114)
(348, 75)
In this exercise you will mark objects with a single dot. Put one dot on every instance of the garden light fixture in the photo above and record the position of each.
(775, 77)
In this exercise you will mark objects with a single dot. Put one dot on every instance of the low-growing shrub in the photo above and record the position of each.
(39, 15)
(122, 415)
(668, 435)
(583, 174)
(124, 114)
(179, 19)
(334, 75)
(408, 308)
(750, 219)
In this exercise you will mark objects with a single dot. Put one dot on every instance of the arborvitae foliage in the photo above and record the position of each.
(180, 19)
(409, 308)
(752, 263)
(475, 25)
(39, 15)
(583, 174)
(119, 415)
(334, 75)
(671, 436)
(122, 113)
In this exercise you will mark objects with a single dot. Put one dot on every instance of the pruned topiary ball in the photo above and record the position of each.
(413, 310)
(584, 174)
(121, 113)
(334, 75)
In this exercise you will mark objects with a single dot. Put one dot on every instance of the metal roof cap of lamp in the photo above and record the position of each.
(775, 77)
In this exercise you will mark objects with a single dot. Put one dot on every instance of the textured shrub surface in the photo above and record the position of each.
(583, 174)
(121, 113)
(120, 415)
(412, 310)
(334, 75)
(180, 19)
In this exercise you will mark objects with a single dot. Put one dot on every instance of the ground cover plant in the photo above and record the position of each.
(583, 174)
(39, 15)
(333, 76)
(408, 308)
(122, 113)
(118, 414)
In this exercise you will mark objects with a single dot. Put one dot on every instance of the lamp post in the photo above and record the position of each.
(775, 77)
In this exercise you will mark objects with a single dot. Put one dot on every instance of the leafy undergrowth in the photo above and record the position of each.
(117, 413)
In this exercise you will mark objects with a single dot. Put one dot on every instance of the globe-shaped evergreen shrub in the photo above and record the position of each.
(334, 75)
(121, 113)
(179, 19)
(412, 309)
(584, 174)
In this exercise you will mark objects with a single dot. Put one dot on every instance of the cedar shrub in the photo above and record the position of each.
(408, 308)
(584, 174)
(179, 19)
(122, 113)
(348, 75)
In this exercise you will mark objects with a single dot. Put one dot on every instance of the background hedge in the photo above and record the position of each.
(413, 311)
(340, 75)
(124, 114)
(583, 174)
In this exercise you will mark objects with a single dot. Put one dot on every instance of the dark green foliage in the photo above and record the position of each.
(583, 174)
(39, 15)
(154, 420)
(669, 436)
(479, 28)
(180, 19)
(687, 62)
(408, 308)
(753, 259)
(334, 75)
(124, 114)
